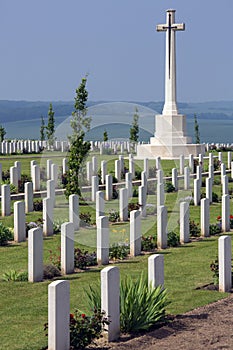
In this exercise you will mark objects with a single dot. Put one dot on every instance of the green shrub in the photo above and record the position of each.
(169, 187)
(133, 206)
(85, 219)
(215, 269)
(194, 229)
(14, 276)
(114, 216)
(118, 251)
(141, 307)
(38, 205)
(215, 198)
(148, 243)
(5, 234)
(83, 259)
(84, 329)
(51, 271)
(214, 229)
(172, 239)
(24, 178)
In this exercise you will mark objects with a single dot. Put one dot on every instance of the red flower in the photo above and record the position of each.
(71, 316)
(83, 315)
(219, 217)
(231, 216)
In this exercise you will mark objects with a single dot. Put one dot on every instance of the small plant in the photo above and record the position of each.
(84, 329)
(215, 198)
(169, 188)
(217, 164)
(51, 271)
(152, 172)
(83, 259)
(38, 205)
(118, 251)
(194, 229)
(114, 216)
(141, 306)
(215, 269)
(5, 234)
(214, 229)
(24, 178)
(85, 219)
(133, 206)
(148, 243)
(172, 239)
(57, 226)
(55, 258)
(14, 276)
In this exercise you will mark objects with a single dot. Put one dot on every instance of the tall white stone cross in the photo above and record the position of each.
(170, 105)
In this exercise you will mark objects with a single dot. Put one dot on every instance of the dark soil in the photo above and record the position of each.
(207, 327)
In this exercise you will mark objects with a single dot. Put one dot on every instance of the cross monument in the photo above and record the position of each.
(170, 139)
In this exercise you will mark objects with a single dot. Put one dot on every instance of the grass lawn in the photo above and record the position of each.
(23, 305)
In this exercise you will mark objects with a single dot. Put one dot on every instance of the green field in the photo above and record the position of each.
(23, 305)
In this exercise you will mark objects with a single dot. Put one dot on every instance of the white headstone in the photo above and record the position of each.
(59, 315)
(175, 178)
(186, 178)
(142, 200)
(209, 184)
(181, 164)
(35, 255)
(156, 270)
(110, 300)
(123, 203)
(226, 213)
(47, 216)
(19, 222)
(99, 204)
(205, 217)
(103, 171)
(118, 170)
(67, 248)
(161, 227)
(184, 222)
(128, 184)
(28, 197)
(74, 211)
(197, 193)
(135, 233)
(224, 263)
(94, 187)
(6, 200)
(108, 188)
(102, 240)
(36, 177)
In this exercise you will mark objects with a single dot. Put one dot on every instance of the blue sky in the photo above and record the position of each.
(47, 46)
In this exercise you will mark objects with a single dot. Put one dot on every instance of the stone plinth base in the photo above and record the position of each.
(173, 151)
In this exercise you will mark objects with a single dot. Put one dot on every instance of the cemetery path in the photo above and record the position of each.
(207, 327)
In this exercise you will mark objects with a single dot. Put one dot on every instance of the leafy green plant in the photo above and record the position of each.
(84, 329)
(141, 307)
(38, 205)
(15, 276)
(214, 229)
(85, 219)
(215, 198)
(118, 251)
(215, 269)
(148, 243)
(114, 216)
(169, 187)
(51, 271)
(133, 206)
(194, 229)
(55, 258)
(83, 259)
(172, 239)
(5, 234)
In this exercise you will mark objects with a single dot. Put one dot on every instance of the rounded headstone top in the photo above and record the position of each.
(171, 10)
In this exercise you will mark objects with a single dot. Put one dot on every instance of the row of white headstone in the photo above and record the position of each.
(59, 295)
(31, 146)
(59, 302)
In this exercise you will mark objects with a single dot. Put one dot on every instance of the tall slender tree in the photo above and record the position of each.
(196, 130)
(105, 135)
(79, 148)
(50, 129)
(2, 133)
(42, 129)
(134, 130)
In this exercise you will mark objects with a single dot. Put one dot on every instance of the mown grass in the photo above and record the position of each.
(23, 305)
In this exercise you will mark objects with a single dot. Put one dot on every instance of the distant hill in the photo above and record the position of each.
(24, 110)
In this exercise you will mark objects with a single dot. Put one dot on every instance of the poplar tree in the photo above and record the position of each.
(42, 129)
(79, 148)
(196, 130)
(2, 133)
(105, 136)
(51, 126)
(134, 130)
